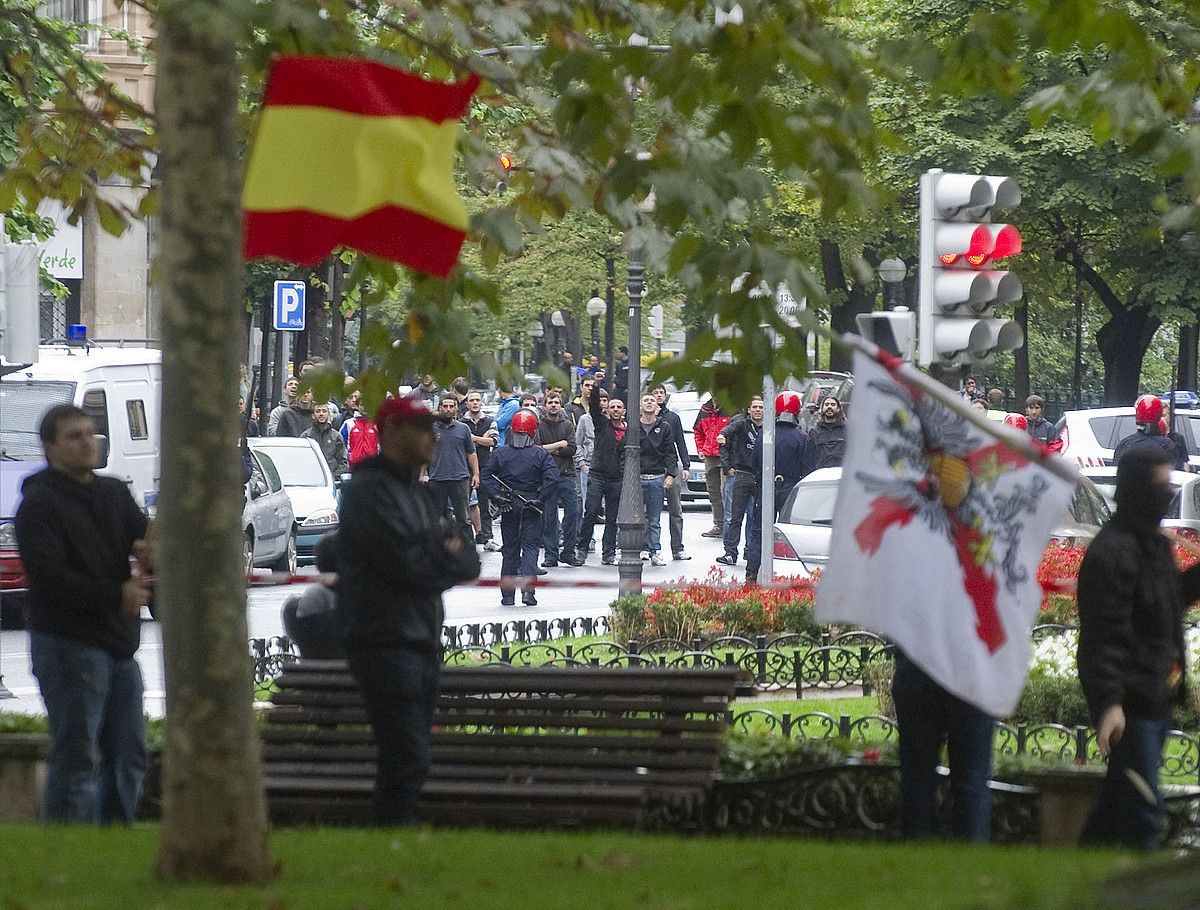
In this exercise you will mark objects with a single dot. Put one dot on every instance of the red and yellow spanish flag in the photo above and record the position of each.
(354, 153)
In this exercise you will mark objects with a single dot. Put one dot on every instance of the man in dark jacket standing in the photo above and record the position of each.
(297, 417)
(794, 459)
(76, 531)
(739, 440)
(604, 481)
(828, 434)
(556, 434)
(1132, 598)
(333, 447)
(397, 552)
(679, 479)
(658, 462)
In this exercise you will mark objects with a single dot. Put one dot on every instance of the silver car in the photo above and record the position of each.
(805, 525)
(268, 523)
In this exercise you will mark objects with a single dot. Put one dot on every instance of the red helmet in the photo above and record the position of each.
(525, 421)
(1017, 420)
(1148, 409)
(787, 407)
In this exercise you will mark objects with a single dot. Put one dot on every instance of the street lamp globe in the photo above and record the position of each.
(535, 330)
(892, 271)
(557, 319)
(596, 306)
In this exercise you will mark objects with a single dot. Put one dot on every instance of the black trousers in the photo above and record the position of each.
(457, 492)
(607, 492)
(521, 533)
(399, 687)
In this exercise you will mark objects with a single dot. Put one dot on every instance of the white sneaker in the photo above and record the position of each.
(492, 545)
(657, 560)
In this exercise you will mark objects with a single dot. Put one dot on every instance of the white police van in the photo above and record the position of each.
(120, 387)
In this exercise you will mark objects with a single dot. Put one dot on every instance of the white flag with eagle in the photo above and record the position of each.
(938, 531)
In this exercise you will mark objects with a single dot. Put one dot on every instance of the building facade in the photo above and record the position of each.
(112, 293)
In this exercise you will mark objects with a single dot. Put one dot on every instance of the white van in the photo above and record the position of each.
(120, 387)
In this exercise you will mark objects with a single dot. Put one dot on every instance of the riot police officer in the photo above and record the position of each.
(522, 476)
(1147, 412)
(795, 457)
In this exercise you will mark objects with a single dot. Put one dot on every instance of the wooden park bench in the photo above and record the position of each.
(634, 747)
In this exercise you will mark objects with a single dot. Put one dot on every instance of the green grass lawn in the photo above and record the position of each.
(56, 867)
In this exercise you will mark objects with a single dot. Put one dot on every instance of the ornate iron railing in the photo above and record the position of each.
(783, 662)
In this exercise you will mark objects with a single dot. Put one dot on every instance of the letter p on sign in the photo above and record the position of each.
(289, 306)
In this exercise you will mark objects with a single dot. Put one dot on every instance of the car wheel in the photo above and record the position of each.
(287, 560)
(248, 553)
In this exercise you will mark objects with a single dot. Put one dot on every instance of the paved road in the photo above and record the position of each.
(463, 605)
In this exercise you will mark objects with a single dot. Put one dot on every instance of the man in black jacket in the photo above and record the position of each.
(397, 552)
(739, 442)
(1132, 598)
(658, 463)
(76, 531)
(828, 434)
(679, 479)
(556, 434)
(604, 481)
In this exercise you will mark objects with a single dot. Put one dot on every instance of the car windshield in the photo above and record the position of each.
(811, 503)
(299, 466)
(22, 405)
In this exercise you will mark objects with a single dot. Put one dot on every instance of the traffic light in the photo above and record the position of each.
(959, 286)
(656, 321)
(505, 161)
(895, 331)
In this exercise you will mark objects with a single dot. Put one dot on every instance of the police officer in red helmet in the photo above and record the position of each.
(1147, 412)
(795, 456)
(522, 476)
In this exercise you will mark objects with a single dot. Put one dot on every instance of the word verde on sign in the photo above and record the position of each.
(60, 264)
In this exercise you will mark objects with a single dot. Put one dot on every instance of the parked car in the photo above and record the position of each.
(268, 522)
(686, 404)
(1184, 513)
(805, 525)
(1090, 436)
(310, 486)
(1184, 398)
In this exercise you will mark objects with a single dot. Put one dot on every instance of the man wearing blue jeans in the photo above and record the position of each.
(1132, 599)
(396, 553)
(928, 717)
(659, 461)
(77, 532)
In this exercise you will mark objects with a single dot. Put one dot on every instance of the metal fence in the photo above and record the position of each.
(776, 664)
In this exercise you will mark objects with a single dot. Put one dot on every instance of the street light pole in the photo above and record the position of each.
(610, 305)
(631, 515)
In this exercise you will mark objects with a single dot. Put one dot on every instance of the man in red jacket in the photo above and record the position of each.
(709, 423)
(359, 432)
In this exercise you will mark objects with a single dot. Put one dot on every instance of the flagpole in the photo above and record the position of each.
(1013, 439)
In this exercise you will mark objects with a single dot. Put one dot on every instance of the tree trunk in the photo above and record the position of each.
(316, 318)
(857, 299)
(1188, 337)
(214, 823)
(337, 321)
(1123, 342)
(1021, 358)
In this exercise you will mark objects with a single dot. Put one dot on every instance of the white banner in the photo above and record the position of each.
(937, 535)
(62, 254)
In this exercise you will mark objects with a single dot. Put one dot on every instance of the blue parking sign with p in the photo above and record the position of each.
(289, 306)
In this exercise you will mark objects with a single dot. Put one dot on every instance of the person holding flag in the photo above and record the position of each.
(931, 489)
